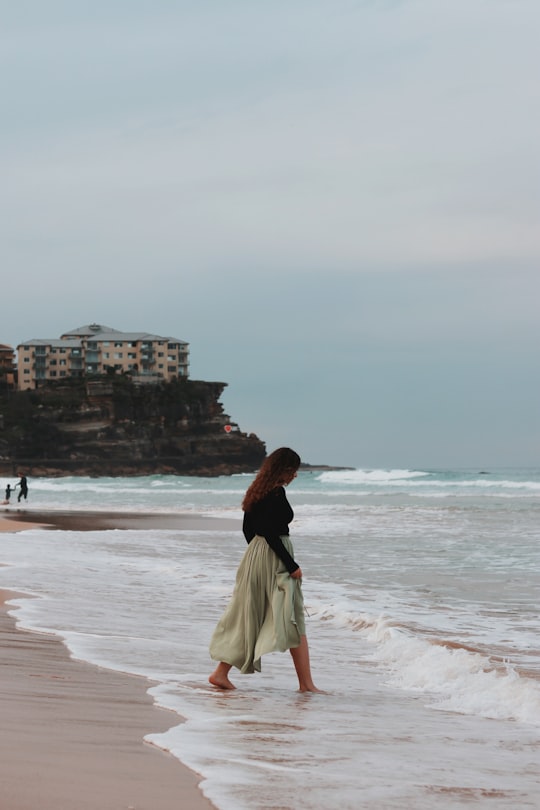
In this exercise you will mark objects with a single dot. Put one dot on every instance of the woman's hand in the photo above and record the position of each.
(297, 574)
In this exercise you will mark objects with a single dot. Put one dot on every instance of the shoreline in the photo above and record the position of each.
(73, 731)
(80, 520)
(79, 728)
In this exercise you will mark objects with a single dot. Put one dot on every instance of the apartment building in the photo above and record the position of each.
(8, 370)
(97, 349)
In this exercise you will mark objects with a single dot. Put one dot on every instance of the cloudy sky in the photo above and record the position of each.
(335, 202)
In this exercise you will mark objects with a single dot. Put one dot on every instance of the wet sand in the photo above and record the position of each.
(72, 733)
(80, 520)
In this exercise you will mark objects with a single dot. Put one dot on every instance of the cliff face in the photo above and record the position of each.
(110, 426)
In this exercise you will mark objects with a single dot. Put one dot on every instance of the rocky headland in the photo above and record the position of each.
(111, 426)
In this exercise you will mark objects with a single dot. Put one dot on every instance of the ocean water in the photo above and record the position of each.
(422, 590)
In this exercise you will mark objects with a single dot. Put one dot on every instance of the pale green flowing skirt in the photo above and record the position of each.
(266, 611)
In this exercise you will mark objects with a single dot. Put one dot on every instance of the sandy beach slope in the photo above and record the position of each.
(10, 523)
(72, 734)
(91, 520)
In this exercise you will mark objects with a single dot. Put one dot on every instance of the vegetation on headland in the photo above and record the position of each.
(108, 425)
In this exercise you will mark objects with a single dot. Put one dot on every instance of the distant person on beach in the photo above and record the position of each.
(8, 493)
(23, 491)
(266, 611)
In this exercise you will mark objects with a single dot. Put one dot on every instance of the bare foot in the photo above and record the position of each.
(312, 688)
(221, 682)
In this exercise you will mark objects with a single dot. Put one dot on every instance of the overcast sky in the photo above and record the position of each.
(335, 202)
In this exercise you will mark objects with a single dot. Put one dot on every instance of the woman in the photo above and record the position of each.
(266, 612)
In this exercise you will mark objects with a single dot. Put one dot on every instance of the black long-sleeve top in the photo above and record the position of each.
(270, 518)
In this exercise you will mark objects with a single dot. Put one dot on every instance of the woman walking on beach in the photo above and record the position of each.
(266, 612)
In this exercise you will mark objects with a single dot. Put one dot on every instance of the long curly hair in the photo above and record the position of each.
(273, 473)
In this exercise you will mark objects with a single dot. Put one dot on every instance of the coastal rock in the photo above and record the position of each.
(111, 426)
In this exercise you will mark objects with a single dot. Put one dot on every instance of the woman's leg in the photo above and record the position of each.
(300, 657)
(220, 676)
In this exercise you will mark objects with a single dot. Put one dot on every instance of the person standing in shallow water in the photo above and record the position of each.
(23, 491)
(266, 611)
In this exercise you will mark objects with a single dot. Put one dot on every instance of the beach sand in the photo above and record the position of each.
(72, 733)
(80, 520)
